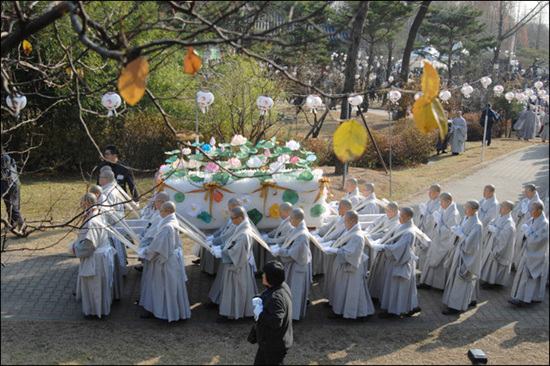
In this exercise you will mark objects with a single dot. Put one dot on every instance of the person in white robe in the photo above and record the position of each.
(425, 221)
(326, 234)
(275, 236)
(498, 249)
(488, 210)
(462, 286)
(369, 205)
(528, 124)
(95, 270)
(435, 272)
(530, 281)
(236, 273)
(521, 215)
(165, 291)
(459, 130)
(399, 295)
(208, 263)
(380, 227)
(350, 294)
(295, 255)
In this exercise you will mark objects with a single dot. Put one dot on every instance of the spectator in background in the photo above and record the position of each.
(491, 116)
(442, 144)
(459, 130)
(123, 173)
(11, 192)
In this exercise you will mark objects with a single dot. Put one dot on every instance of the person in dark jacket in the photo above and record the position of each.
(11, 193)
(274, 317)
(123, 173)
(492, 117)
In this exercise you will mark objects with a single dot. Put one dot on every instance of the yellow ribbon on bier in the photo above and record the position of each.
(265, 189)
(324, 185)
(210, 190)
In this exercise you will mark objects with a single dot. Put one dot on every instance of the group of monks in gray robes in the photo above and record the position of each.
(295, 255)
(434, 271)
(345, 280)
(425, 221)
(462, 286)
(521, 215)
(528, 124)
(498, 248)
(380, 227)
(234, 286)
(95, 270)
(164, 291)
(530, 281)
(459, 131)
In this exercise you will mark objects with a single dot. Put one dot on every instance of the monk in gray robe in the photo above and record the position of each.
(295, 255)
(95, 271)
(399, 296)
(488, 209)
(528, 124)
(498, 249)
(326, 234)
(369, 205)
(353, 194)
(208, 263)
(350, 294)
(426, 222)
(275, 236)
(462, 287)
(521, 215)
(380, 227)
(459, 130)
(238, 286)
(530, 281)
(443, 243)
(164, 293)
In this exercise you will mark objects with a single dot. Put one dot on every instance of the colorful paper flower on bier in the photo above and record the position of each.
(294, 159)
(212, 167)
(293, 145)
(194, 210)
(206, 148)
(275, 166)
(267, 153)
(234, 163)
(283, 158)
(238, 140)
(179, 164)
(254, 162)
(193, 164)
(212, 141)
(164, 169)
(311, 158)
(246, 200)
(186, 151)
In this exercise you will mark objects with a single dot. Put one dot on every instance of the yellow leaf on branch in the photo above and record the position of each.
(133, 80)
(27, 47)
(192, 61)
(427, 111)
(350, 141)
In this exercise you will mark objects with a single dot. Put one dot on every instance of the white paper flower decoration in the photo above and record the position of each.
(194, 209)
(254, 162)
(238, 140)
(293, 145)
(246, 201)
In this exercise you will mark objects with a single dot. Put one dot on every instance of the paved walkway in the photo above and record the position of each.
(40, 287)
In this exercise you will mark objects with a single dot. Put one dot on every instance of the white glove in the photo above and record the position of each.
(492, 228)
(209, 242)
(331, 250)
(377, 247)
(274, 249)
(437, 216)
(217, 251)
(209, 237)
(524, 207)
(526, 229)
(455, 229)
(423, 208)
(265, 237)
(258, 310)
(327, 244)
(256, 301)
(461, 234)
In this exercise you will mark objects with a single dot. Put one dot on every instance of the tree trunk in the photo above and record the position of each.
(351, 65)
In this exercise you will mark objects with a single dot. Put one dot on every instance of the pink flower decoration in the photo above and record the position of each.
(238, 140)
(294, 159)
(212, 167)
(267, 153)
(234, 163)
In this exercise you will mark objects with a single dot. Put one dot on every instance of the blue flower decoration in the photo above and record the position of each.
(206, 147)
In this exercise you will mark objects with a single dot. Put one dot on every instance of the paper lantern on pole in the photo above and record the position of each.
(313, 102)
(529, 92)
(509, 96)
(445, 95)
(542, 93)
(394, 96)
(418, 95)
(355, 100)
(533, 98)
(204, 99)
(498, 89)
(264, 103)
(539, 84)
(111, 101)
(520, 96)
(17, 104)
(486, 81)
(467, 90)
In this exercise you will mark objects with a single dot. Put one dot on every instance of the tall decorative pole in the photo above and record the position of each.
(393, 97)
(485, 81)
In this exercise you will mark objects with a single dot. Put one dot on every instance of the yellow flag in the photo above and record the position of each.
(192, 61)
(427, 111)
(133, 80)
(27, 47)
(350, 141)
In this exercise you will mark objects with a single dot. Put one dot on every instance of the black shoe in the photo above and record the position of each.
(362, 318)
(472, 304)
(308, 302)
(222, 319)
(455, 153)
(211, 305)
(146, 315)
(488, 286)
(326, 305)
(450, 311)
(386, 315)
(516, 302)
(196, 261)
(413, 311)
(91, 317)
(334, 316)
(139, 268)
(423, 286)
